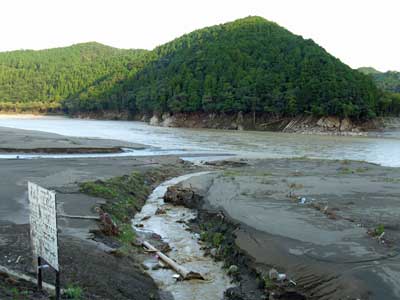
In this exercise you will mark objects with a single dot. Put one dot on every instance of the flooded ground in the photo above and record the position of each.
(249, 144)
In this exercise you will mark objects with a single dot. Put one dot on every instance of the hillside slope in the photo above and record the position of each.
(39, 80)
(388, 81)
(250, 65)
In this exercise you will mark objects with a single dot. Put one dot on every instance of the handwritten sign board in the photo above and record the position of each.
(43, 221)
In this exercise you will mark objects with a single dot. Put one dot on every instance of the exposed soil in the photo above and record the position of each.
(312, 220)
(102, 266)
(27, 141)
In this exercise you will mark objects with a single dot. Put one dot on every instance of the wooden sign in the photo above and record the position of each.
(43, 223)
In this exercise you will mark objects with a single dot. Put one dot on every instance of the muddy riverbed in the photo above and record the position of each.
(317, 221)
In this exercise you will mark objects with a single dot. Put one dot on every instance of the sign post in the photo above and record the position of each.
(44, 235)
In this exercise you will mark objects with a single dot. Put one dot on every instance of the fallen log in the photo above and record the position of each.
(79, 217)
(185, 274)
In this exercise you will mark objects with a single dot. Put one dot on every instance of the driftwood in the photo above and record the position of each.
(185, 274)
(79, 217)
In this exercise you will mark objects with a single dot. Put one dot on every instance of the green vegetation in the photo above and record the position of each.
(124, 195)
(268, 283)
(250, 65)
(347, 170)
(390, 83)
(74, 292)
(39, 80)
(379, 230)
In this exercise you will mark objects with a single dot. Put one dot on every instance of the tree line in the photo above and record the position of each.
(249, 65)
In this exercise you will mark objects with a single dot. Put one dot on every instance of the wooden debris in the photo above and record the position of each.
(185, 274)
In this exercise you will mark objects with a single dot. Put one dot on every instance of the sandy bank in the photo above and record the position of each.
(324, 245)
(27, 141)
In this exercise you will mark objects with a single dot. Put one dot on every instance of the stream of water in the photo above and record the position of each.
(186, 250)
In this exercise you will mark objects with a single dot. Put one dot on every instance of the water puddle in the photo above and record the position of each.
(185, 246)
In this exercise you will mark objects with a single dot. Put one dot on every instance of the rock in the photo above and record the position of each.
(329, 122)
(182, 196)
(160, 211)
(213, 252)
(345, 125)
(273, 274)
(168, 120)
(155, 121)
(156, 236)
(233, 269)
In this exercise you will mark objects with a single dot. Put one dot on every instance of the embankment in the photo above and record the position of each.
(303, 124)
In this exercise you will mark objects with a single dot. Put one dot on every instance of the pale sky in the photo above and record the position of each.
(359, 32)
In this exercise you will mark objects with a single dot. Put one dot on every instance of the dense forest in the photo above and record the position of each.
(389, 82)
(40, 80)
(249, 65)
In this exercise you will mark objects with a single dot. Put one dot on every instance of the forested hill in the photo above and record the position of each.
(249, 65)
(388, 81)
(39, 80)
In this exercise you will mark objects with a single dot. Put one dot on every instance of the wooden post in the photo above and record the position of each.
(39, 274)
(58, 294)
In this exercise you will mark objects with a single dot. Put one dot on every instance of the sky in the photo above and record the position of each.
(359, 32)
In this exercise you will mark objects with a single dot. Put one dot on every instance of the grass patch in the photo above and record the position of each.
(379, 229)
(391, 180)
(231, 173)
(346, 171)
(124, 192)
(268, 283)
(74, 292)
(125, 195)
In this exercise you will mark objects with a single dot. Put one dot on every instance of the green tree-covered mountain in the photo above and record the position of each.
(388, 81)
(249, 65)
(39, 80)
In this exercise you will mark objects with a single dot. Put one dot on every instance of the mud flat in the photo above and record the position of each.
(91, 263)
(27, 141)
(317, 221)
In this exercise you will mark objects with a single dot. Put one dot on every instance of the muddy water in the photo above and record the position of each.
(185, 246)
(248, 144)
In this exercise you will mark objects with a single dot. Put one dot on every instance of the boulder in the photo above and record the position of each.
(329, 122)
(346, 125)
(182, 196)
(168, 121)
(155, 121)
